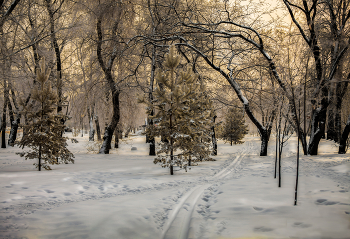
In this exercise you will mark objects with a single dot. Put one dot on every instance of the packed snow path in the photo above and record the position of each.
(124, 195)
(179, 222)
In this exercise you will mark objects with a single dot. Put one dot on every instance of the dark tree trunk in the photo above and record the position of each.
(3, 130)
(152, 147)
(91, 124)
(116, 137)
(341, 89)
(107, 138)
(264, 143)
(317, 127)
(39, 158)
(58, 55)
(13, 131)
(279, 165)
(3, 125)
(14, 125)
(149, 138)
(344, 138)
(107, 69)
(213, 138)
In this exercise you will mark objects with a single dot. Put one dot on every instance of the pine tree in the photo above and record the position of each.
(44, 128)
(182, 116)
(234, 128)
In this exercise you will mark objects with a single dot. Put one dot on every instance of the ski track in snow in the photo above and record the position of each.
(179, 219)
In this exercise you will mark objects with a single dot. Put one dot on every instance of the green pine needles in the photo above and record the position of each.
(43, 132)
(234, 128)
(183, 116)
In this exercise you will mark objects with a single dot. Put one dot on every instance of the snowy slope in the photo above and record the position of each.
(124, 195)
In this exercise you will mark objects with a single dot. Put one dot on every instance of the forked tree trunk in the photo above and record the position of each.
(344, 137)
(317, 127)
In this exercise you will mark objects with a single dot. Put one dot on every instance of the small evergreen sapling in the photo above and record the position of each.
(183, 116)
(44, 129)
(234, 129)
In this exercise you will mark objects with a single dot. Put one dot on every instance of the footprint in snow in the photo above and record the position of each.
(301, 225)
(262, 229)
(49, 191)
(258, 209)
(322, 201)
(67, 194)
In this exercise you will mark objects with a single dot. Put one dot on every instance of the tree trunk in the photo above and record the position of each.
(152, 146)
(341, 89)
(107, 138)
(39, 159)
(98, 130)
(92, 130)
(127, 132)
(91, 123)
(151, 140)
(264, 136)
(116, 137)
(213, 138)
(14, 125)
(3, 125)
(317, 127)
(279, 165)
(58, 55)
(344, 137)
(16, 122)
(82, 126)
(331, 134)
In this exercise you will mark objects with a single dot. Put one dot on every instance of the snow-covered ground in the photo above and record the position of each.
(124, 195)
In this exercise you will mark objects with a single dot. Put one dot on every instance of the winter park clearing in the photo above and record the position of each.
(125, 195)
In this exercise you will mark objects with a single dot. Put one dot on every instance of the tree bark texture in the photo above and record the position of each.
(213, 137)
(98, 129)
(344, 137)
(3, 123)
(57, 54)
(318, 127)
(107, 137)
(151, 140)
(107, 69)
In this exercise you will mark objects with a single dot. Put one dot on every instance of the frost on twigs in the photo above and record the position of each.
(183, 116)
(43, 132)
